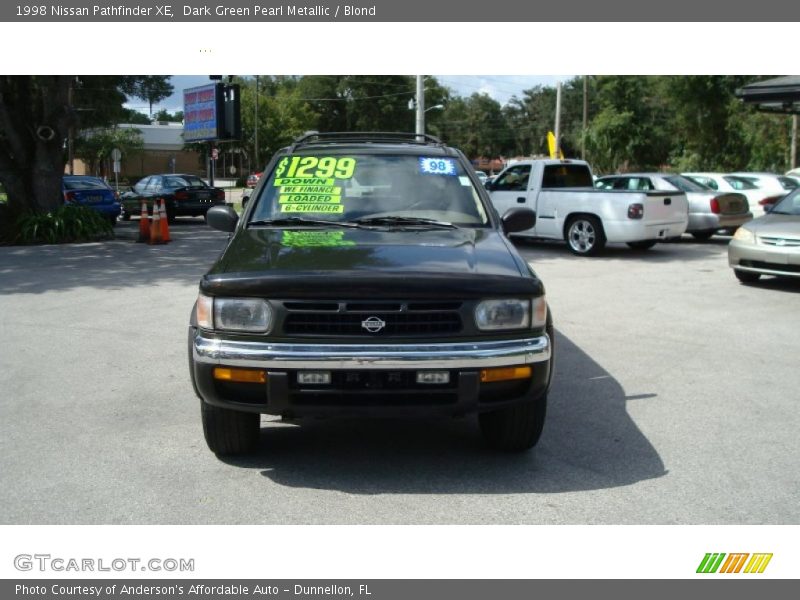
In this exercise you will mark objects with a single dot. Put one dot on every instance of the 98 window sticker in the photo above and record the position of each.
(437, 166)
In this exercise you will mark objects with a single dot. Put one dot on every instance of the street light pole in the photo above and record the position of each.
(420, 106)
(255, 149)
(557, 128)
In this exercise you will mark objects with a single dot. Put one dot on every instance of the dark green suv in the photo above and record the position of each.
(369, 275)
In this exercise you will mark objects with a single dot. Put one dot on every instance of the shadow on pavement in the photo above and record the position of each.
(114, 264)
(683, 249)
(589, 443)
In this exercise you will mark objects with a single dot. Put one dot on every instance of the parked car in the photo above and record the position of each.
(757, 198)
(770, 244)
(370, 275)
(83, 190)
(482, 176)
(570, 208)
(184, 195)
(771, 182)
(709, 211)
(252, 179)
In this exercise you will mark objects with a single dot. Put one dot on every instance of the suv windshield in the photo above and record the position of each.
(351, 187)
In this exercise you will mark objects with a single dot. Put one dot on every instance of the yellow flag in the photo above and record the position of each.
(551, 146)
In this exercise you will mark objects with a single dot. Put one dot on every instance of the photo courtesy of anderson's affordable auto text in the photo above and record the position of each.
(252, 320)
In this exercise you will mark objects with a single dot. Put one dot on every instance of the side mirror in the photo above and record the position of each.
(244, 201)
(488, 185)
(222, 218)
(518, 219)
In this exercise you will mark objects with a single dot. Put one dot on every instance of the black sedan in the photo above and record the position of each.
(184, 195)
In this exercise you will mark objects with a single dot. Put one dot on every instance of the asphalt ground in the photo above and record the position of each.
(674, 401)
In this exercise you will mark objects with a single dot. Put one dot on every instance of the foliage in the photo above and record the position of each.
(65, 224)
(36, 114)
(165, 115)
(94, 146)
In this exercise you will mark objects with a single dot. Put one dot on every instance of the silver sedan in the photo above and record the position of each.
(768, 245)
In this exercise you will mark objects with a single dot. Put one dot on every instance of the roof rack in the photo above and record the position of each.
(314, 137)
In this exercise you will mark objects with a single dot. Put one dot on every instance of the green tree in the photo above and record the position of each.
(94, 146)
(631, 129)
(36, 115)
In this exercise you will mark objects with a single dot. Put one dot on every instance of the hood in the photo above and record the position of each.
(772, 225)
(328, 263)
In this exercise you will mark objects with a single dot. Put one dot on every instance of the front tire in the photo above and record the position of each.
(516, 428)
(746, 276)
(643, 245)
(585, 236)
(230, 432)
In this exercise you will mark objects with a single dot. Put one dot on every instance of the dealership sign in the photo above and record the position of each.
(211, 112)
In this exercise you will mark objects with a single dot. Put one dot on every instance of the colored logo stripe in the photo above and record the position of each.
(758, 563)
(733, 564)
(710, 563)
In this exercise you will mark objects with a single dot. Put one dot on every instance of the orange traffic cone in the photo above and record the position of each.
(162, 211)
(155, 228)
(144, 225)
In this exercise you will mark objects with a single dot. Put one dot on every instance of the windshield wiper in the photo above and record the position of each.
(303, 221)
(397, 220)
(778, 212)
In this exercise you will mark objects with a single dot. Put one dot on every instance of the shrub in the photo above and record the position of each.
(64, 225)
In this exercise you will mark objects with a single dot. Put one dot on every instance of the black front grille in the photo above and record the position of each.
(372, 319)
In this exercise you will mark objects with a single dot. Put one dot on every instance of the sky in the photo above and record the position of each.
(499, 87)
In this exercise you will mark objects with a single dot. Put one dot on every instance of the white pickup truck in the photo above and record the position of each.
(568, 207)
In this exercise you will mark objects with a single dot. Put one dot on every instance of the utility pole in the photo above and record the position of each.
(585, 115)
(71, 132)
(557, 131)
(420, 106)
(255, 149)
(793, 157)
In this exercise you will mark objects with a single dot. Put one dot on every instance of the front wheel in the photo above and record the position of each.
(230, 432)
(643, 245)
(585, 236)
(515, 428)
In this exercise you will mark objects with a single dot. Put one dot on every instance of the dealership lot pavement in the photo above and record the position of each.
(675, 401)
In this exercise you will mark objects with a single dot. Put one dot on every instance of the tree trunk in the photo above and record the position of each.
(35, 116)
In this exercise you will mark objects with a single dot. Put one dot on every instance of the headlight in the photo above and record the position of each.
(511, 313)
(744, 235)
(234, 314)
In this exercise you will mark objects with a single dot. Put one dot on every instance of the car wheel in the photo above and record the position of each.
(702, 236)
(746, 276)
(126, 216)
(643, 245)
(515, 428)
(230, 432)
(585, 236)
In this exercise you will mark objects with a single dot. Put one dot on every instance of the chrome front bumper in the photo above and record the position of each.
(462, 355)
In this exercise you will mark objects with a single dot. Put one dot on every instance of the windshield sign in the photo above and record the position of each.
(351, 187)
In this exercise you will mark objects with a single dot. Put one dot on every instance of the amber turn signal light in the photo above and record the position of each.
(240, 375)
(505, 374)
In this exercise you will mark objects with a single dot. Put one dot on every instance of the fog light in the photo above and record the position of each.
(505, 374)
(436, 377)
(240, 375)
(314, 377)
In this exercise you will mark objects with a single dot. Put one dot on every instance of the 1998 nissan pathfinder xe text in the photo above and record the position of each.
(370, 275)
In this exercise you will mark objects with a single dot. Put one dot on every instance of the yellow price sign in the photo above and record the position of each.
(312, 208)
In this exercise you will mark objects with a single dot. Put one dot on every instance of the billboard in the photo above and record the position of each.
(201, 113)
